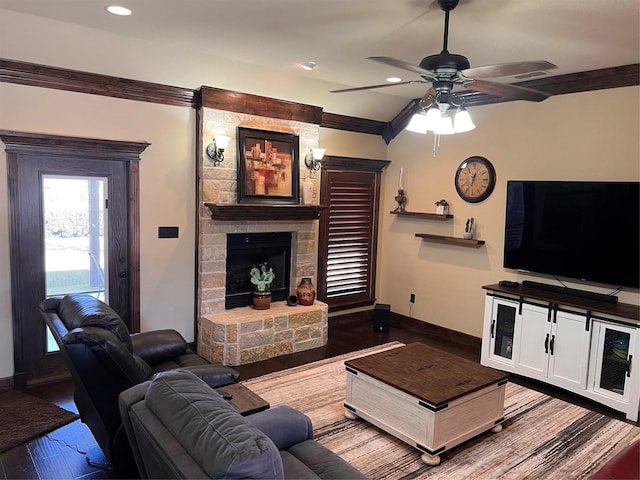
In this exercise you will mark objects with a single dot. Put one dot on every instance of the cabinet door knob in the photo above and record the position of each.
(546, 344)
(553, 339)
(629, 366)
(493, 324)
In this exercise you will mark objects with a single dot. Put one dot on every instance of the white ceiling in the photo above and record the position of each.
(576, 35)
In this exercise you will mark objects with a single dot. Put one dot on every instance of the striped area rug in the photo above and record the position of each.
(543, 437)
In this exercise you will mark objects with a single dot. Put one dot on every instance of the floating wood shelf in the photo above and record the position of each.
(260, 211)
(430, 216)
(451, 240)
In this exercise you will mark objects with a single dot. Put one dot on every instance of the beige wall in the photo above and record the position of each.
(585, 136)
(167, 197)
(556, 139)
(167, 167)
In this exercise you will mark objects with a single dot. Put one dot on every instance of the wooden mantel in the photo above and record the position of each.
(260, 211)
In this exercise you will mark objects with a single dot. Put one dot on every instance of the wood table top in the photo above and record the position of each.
(432, 375)
(244, 400)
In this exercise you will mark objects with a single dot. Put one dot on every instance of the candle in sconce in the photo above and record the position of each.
(400, 183)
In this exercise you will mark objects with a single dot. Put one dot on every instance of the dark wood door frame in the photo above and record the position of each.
(22, 146)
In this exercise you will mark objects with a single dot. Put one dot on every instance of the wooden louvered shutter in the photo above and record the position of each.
(348, 238)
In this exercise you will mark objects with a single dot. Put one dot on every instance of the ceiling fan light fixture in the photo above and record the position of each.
(445, 126)
(394, 79)
(462, 121)
(433, 118)
(308, 65)
(418, 123)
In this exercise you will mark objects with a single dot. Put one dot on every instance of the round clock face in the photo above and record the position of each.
(475, 179)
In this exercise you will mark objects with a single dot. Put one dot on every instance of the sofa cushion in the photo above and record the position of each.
(323, 462)
(82, 310)
(216, 436)
(294, 468)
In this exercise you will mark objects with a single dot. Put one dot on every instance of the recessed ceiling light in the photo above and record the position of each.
(308, 65)
(118, 10)
(394, 79)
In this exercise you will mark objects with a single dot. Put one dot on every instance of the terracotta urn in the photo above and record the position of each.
(306, 292)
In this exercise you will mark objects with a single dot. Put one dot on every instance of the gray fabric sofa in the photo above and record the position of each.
(180, 428)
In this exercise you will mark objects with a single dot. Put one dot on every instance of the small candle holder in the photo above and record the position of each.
(401, 198)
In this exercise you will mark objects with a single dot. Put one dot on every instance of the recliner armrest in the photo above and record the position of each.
(285, 426)
(158, 346)
(214, 375)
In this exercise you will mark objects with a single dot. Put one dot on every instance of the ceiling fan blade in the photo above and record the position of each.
(508, 69)
(394, 62)
(433, 5)
(506, 90)
(371, 87)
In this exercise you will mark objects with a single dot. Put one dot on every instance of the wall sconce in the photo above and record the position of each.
(215, 150)
(312, 159)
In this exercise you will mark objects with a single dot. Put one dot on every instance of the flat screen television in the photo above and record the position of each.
(579, 230)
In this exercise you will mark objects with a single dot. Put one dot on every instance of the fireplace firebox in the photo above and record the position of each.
(246, 250)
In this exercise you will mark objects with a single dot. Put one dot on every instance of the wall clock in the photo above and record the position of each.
(475, 179)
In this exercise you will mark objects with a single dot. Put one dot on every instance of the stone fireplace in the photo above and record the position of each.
(234, 336)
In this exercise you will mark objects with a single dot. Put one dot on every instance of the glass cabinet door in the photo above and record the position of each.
(503, 330)
(614, 359)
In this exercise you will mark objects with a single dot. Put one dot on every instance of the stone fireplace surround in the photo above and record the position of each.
(220, 333)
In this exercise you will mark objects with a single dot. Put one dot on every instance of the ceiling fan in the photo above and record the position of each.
(445, 70)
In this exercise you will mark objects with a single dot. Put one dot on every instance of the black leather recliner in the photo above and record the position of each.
(105, 360)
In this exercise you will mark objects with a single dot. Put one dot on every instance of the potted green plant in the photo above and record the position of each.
(442, 207)
(261, 277)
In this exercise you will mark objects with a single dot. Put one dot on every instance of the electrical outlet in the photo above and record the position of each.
(412, 298)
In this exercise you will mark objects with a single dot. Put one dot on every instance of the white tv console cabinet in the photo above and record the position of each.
(587, 347)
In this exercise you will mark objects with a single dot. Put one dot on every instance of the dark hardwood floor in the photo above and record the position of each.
(63, 453)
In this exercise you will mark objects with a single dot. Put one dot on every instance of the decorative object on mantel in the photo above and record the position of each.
(262, 277)
(268, 167)
(306, 292)
(468, 229)
(215, 150)
(312, 159)
(442, 207)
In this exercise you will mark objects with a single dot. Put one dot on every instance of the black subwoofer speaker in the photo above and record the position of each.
(381, 317)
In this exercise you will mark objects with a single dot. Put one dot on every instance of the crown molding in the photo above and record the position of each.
(35, 75)
(31, 74)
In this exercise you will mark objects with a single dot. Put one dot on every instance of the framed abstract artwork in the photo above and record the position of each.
(268, 167)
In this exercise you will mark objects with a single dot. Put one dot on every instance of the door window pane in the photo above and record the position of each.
(74, 237)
